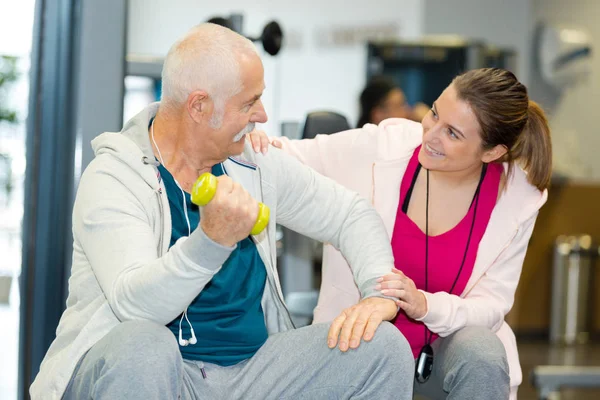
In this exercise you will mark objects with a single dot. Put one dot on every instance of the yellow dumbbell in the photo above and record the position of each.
(204, 190)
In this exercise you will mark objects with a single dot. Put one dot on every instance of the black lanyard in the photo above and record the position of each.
(424, 364)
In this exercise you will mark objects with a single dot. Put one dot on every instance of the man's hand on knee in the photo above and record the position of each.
(360, 321)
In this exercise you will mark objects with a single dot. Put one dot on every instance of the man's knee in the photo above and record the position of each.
(133, 351)
(388, 346)
(140, 341)
(389, 342)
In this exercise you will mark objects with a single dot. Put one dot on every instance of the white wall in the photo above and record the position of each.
(302, 78)
(573, 112)
(505, 23)
(16, 26)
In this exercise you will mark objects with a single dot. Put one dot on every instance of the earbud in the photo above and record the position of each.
(193, 339)
(183, 342)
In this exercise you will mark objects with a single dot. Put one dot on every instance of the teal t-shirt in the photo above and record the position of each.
(227, 315)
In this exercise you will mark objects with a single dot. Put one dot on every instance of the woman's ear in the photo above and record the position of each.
(494, 154)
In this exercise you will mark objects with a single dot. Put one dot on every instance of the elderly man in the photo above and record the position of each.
(168, 301)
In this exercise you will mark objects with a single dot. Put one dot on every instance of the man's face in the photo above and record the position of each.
(243, 110)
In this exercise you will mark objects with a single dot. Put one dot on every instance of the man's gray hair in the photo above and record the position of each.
(206, 58)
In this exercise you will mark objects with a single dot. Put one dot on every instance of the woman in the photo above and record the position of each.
(459, 195)
(382, 99)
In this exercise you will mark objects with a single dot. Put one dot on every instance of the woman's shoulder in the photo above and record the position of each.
(395, 137)
(518, 193)
(396, 127)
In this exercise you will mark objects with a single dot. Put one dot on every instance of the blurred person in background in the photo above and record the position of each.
(382, 99)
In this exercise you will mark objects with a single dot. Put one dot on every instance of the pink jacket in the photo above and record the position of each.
(372, 162)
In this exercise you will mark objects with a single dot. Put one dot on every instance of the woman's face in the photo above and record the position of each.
(393, 106)
(451, 136)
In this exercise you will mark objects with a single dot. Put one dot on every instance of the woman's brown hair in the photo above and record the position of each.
(507, 117)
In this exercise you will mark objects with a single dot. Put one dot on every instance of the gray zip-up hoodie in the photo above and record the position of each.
(123, 269)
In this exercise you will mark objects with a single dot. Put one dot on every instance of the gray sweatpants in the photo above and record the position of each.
(469, 364)
(141, 360)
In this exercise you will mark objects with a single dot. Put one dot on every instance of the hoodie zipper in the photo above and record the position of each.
(270, 274)
(270, 279)
(162, 223)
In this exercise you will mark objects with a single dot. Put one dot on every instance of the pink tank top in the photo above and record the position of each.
(446, 251)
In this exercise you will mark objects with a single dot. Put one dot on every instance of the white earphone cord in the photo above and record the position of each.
(182, 342)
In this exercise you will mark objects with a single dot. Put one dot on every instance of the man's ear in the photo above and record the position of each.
(199, 105)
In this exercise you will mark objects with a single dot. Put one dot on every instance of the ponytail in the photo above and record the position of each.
(533, 149)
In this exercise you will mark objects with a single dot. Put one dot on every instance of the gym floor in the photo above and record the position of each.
(534, 353)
